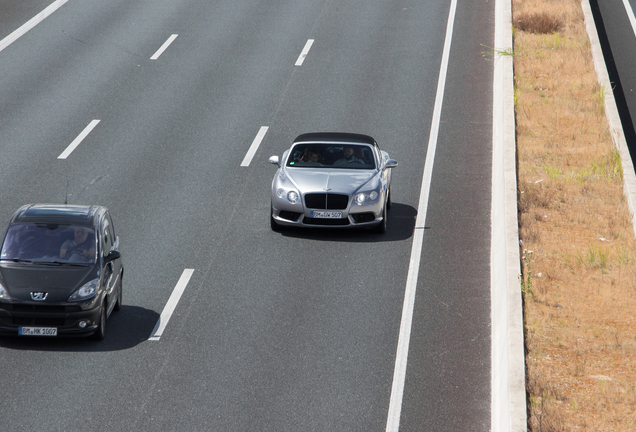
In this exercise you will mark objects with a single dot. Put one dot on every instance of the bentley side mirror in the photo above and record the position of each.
(274, 160)
(391, 163)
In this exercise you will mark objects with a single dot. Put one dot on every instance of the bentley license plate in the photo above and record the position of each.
(326, 214)
(37, 331)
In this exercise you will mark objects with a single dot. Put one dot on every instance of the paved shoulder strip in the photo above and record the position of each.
(399, 372)
(630, 14)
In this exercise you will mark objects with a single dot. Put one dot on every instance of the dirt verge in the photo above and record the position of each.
(579, 251)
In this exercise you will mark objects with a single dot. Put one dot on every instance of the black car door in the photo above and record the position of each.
(110, 272)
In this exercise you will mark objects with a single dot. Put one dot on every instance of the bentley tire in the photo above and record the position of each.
(381, 229)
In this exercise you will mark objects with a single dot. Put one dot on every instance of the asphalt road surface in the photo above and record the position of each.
(294, 331)
(616, 25)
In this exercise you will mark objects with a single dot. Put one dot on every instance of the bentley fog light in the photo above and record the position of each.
(373, 196)
(83, 323)
(292, 197)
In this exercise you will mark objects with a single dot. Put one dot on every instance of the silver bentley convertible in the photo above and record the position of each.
(330, 179)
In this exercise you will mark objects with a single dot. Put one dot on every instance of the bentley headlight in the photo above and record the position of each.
(3, 293)
(87, 291)
(360, 198)
(292, 197)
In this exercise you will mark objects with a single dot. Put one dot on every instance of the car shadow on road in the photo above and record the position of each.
(125, 329)
(400, 226)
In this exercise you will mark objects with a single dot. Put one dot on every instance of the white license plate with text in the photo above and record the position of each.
(37, 331)
(326, 214)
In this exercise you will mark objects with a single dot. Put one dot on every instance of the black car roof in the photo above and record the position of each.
(334, 137)
(58, 213)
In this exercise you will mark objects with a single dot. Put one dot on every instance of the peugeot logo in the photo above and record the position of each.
(39, 295)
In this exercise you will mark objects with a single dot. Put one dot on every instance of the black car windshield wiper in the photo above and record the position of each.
(61, 263)
(18, 260)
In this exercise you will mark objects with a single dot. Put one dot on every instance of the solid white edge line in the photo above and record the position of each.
(31, 23)
(165, 45)
(630, 14)
(78, 140)
(171, 305)
(399, 373)
(257, 142)
(304, 52)
(508, 391)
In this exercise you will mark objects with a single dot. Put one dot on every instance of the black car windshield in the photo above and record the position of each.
(49, 243)
(345, 156)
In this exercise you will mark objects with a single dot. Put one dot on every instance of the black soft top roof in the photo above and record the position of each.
(335, 137)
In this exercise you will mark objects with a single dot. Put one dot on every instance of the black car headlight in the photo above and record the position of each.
(3, 293)
(87, 291)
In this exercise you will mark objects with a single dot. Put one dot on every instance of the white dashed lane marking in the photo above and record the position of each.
(171, 305)
(165, 45)
(31, 23)
(304, 52)
(257, 142)
(78, 140)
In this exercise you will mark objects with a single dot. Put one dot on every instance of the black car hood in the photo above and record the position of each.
(59, 282)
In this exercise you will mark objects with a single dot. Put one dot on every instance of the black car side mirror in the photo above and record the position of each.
(112, 256)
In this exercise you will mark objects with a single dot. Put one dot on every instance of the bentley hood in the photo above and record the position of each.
(335, 181)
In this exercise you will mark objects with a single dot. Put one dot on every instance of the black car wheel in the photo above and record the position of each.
(119, 292)
(101, 327)
(388, 200)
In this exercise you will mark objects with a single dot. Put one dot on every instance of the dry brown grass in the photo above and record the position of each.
(540, 22)
(579, 277)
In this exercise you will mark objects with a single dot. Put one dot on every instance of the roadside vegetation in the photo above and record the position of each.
(578, 250)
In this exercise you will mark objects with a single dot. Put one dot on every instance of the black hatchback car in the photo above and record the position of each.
(60, 271)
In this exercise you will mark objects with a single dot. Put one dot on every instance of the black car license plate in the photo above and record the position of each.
(37, 331)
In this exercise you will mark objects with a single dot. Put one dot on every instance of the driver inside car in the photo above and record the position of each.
(82, 244)
(348, 157)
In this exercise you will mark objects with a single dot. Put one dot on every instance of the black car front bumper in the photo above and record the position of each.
(66, 318)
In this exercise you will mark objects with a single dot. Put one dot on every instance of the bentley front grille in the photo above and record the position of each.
(326, 201)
